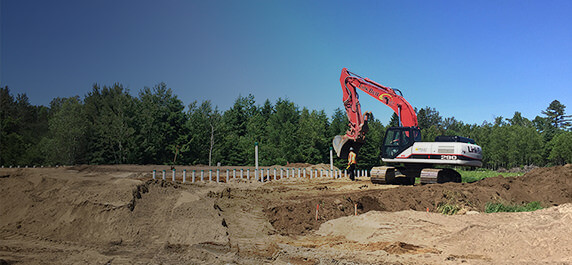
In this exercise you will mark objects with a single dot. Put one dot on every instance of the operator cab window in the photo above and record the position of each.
(399, 139)
(417, 135)
(393, 138)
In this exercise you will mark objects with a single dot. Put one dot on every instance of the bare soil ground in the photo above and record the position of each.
(120, 215)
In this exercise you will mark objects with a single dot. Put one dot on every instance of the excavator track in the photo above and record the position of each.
(436, 175)
(382, 175)
(388, 175)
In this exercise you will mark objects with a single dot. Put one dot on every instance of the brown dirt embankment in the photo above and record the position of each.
(550, 186)
(118, 215)
(96, 215)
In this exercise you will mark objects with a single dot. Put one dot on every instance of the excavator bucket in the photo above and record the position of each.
(338, 143)
(342, 144)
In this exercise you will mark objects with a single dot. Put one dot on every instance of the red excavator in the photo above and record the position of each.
(405, 155)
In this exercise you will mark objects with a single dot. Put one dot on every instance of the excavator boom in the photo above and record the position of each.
(403, 151)
(355, 136)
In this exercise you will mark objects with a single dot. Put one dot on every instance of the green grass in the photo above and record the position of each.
(495, 207)
(469, 176)
(475, 175)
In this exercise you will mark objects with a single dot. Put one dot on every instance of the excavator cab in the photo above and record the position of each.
(397, 139)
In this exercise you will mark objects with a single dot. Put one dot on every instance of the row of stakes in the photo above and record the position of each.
(34, 166)
(288, 173)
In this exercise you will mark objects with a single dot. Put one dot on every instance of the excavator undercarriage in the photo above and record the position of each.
(406, 156)
(393, 175)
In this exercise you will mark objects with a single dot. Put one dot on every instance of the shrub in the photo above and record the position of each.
(447, 208)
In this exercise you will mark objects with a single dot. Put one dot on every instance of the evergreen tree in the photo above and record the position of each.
(281, 128)
(214, 124)
(429, 134)
(22, 126)
(370, 153)
(556, 115)
(255, 133)
(10, 139)
(394, 121)
(499, 121)
(452, 126)
(428, 117)
(339, 123)
(234, 146)
(312, 141)
(111, 126)
(517, 119)
(550, 125)
(267, 110)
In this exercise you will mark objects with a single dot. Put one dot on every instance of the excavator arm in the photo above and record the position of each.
(355, 136)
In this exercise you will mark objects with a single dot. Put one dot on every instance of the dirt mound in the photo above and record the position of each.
(524, 169)
(95, 216)
(298, 165)
(454, 237)
(119, 215)
(550, 186)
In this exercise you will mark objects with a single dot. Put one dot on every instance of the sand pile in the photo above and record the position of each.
(481, 235)
(97, 215)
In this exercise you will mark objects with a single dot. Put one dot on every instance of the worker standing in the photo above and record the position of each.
(352, 163)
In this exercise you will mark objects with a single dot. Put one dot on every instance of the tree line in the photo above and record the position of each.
(110, 126)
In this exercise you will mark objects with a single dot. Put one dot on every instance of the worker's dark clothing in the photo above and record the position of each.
(352, 165)
(352, 170)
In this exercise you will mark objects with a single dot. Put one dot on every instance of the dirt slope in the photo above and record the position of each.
(119, 215)
(550, 186)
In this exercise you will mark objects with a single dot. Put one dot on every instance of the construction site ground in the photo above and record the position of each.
(120, 215)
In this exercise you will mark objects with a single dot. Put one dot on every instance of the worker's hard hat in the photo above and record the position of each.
(351, 148)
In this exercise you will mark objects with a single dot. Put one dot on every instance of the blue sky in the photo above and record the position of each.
(474, 60)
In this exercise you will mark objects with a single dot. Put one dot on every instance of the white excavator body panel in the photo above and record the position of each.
(440, 153)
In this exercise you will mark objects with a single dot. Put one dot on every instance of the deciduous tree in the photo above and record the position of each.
(67, 142)
(561, 151)
(161, 123)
